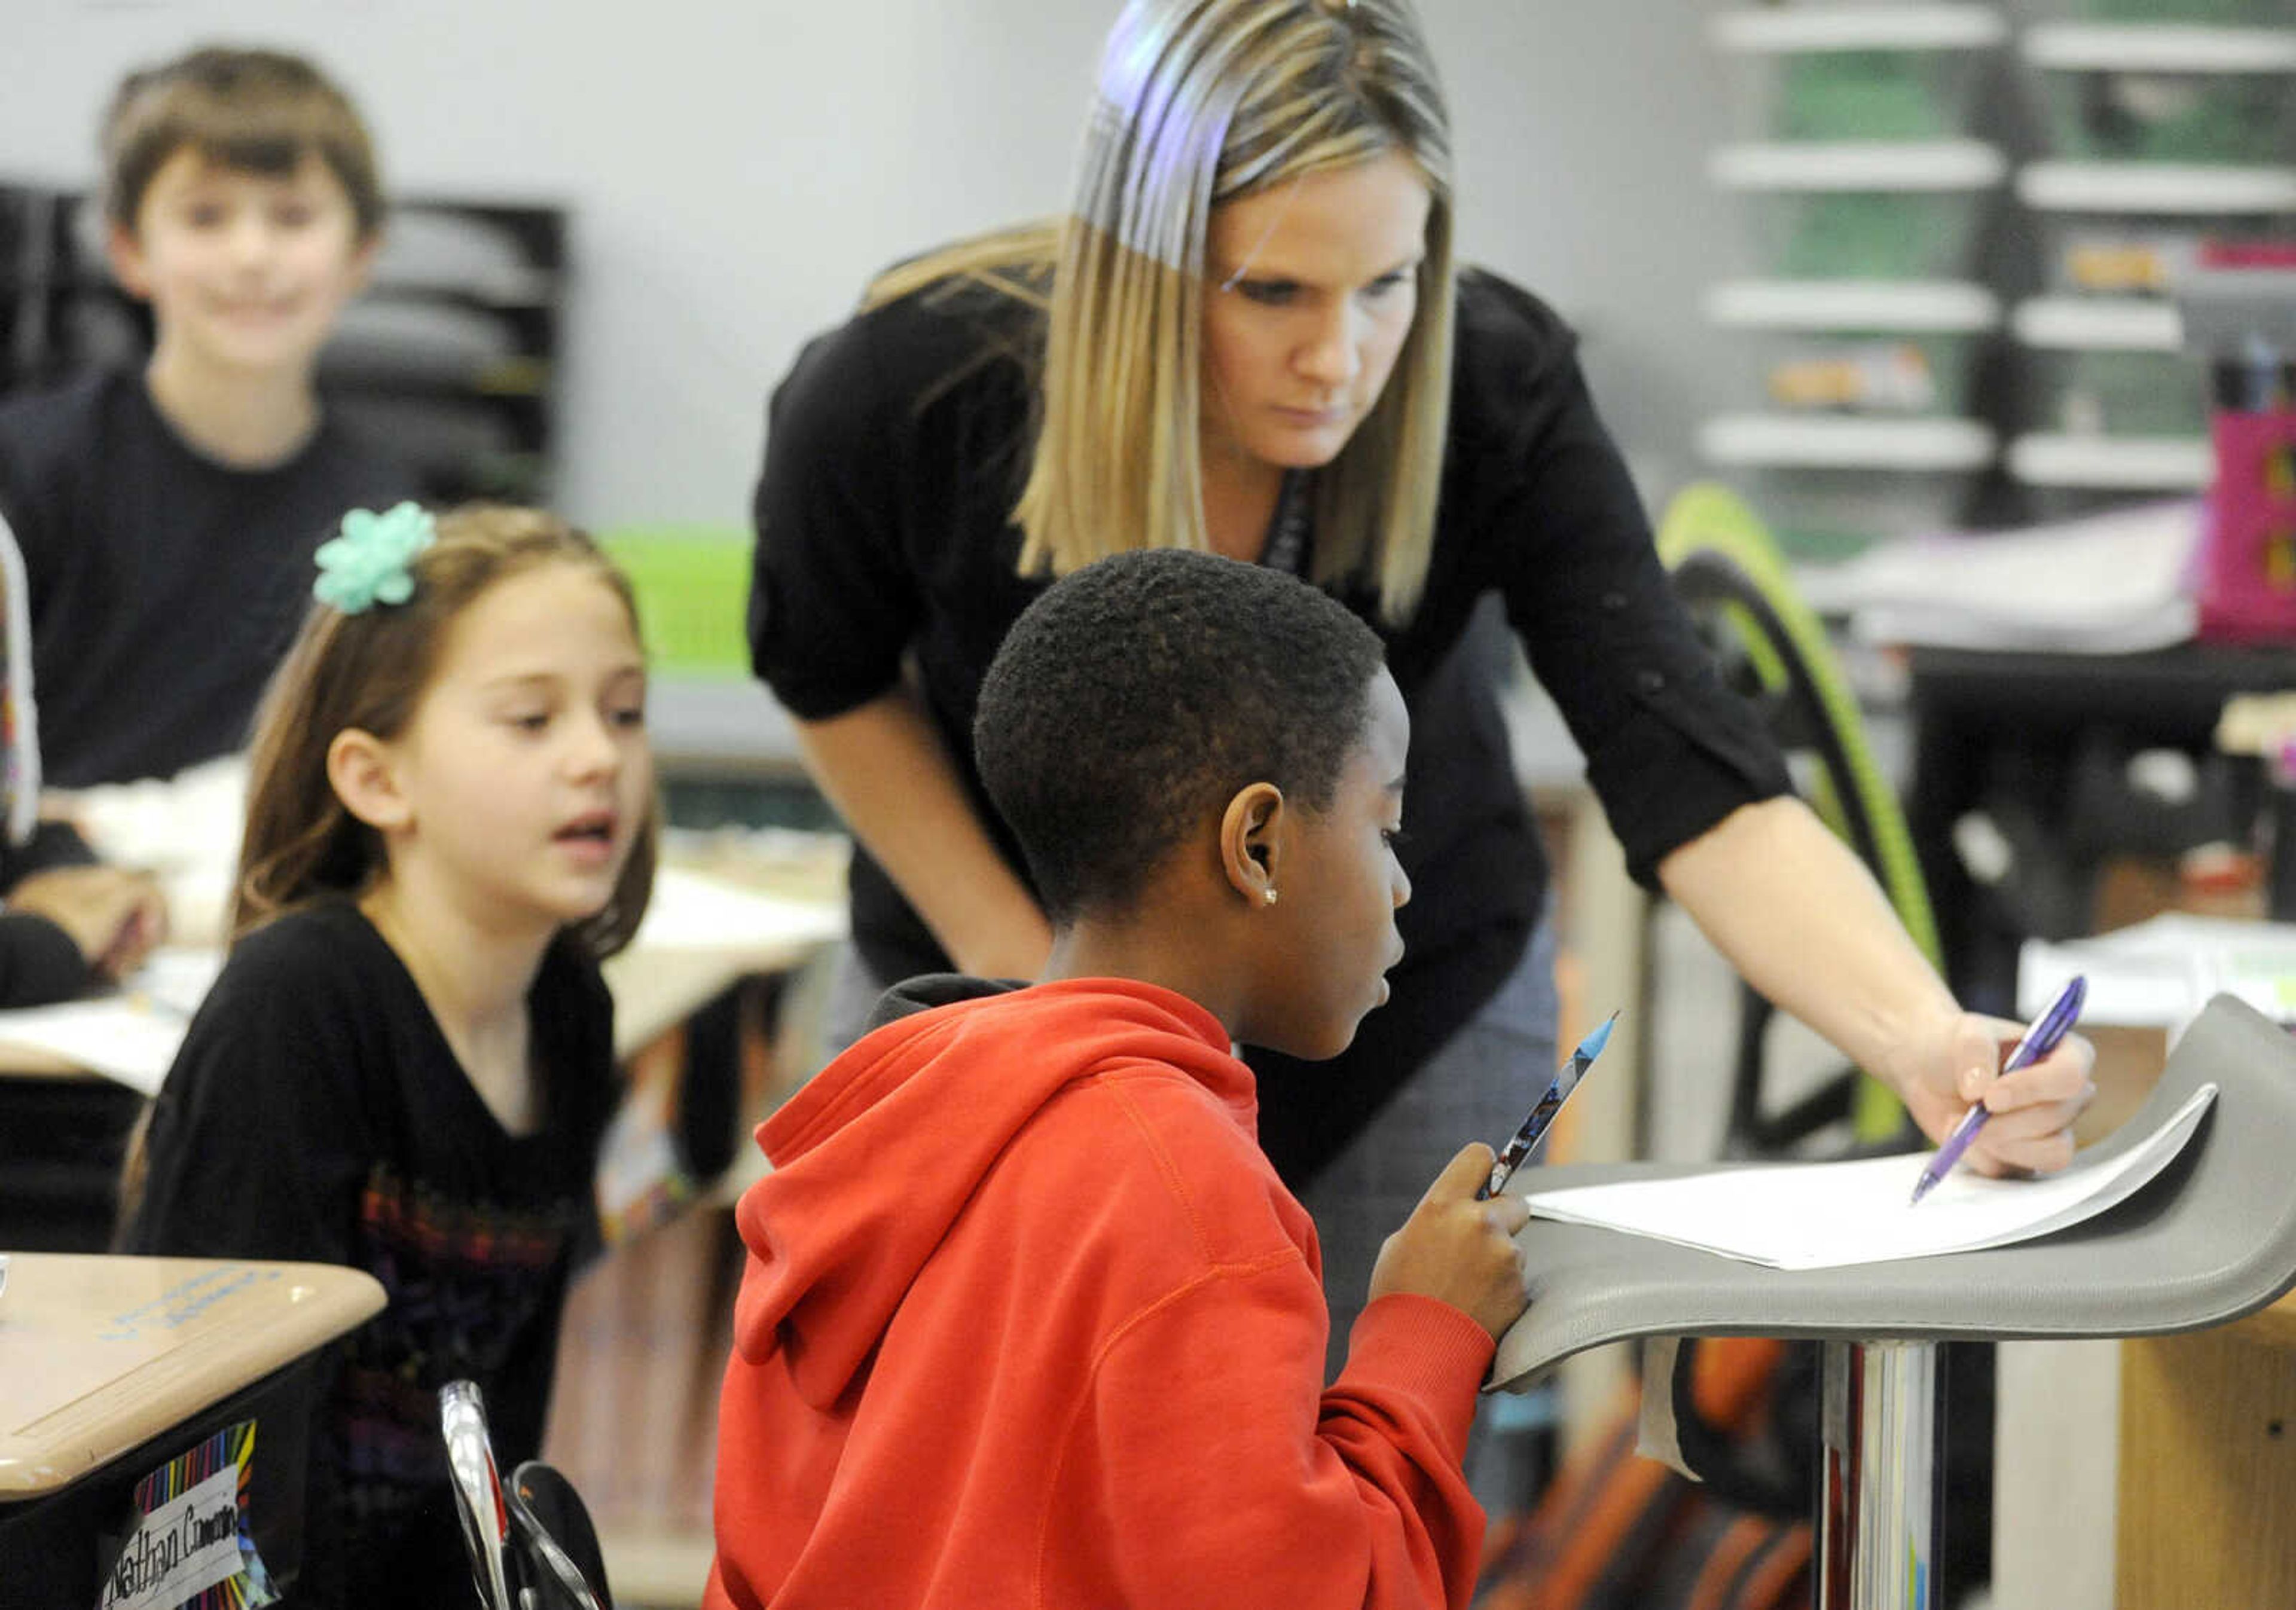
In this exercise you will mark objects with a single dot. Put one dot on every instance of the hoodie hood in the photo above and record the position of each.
(878, 1156)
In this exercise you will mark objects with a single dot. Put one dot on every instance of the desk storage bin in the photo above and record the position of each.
(2247, 561)
(1855, 71)
(2064, 477)
(1872, 347)
(2111, 366)
(2232, 13)
(1830, 488)
(2165, 92)
(2130, 228)
(1861, 209)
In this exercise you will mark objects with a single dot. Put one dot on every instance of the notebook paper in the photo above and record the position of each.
(1823, 1216)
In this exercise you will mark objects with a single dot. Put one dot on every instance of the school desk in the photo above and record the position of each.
(2208, 1242)
(112, 1367)
(2011, 725)
(62, 1126)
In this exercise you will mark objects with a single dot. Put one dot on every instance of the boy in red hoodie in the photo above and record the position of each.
(1028, 1319)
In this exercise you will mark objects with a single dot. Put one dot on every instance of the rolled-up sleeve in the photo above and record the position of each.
(1670, 750)
(833, 602)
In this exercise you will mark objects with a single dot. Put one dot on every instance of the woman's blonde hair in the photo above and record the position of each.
(369, 671)
(1200, 102)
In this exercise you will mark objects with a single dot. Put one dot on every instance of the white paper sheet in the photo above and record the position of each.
(1821, 1216)
(691, 911)
(2160, 972)
(131, 1038)
(2104, 583)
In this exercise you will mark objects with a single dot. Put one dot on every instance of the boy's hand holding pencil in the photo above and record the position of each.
(1458, 1248)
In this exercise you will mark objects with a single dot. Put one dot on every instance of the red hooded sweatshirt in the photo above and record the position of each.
(1030, 1321)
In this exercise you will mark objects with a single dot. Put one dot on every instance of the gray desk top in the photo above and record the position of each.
(2211, 1239)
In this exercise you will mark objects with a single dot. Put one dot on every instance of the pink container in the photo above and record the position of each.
(2245, 569)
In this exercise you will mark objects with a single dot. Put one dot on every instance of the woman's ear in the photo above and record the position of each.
(360, 769)
(1250, 842)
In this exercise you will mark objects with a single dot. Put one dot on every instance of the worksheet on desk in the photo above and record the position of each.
(1823, 1216)
(131, 1036)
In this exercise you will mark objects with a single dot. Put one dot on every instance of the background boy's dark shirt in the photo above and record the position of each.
(165, 586)
(316, 1113)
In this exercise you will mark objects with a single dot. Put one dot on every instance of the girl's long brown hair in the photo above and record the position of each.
(369, 671)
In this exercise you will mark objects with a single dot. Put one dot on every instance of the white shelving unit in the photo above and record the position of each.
(1867, 194)
(2158, 140)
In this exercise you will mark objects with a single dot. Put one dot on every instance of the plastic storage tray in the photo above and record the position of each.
(2064, 477)
(2232, 13)
(1829, 488)
(2130, 228)
(1862, 209)
(2165, 92)
(2111, 366)
(1858, 347)
(1855, 71)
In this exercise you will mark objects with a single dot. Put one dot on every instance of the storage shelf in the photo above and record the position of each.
(458, 325)
(1813, 30)
(1899, 307)
(2111, 464)
(1858, 165)
(2159, 48)
(1789, 441)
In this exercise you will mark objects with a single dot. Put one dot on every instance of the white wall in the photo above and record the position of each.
(736, 170)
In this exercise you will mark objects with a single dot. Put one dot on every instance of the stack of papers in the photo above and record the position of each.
(2158, 974)
(1824, 1215)
(2108, 583)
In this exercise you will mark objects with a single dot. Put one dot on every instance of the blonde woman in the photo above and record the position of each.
(1249, 336)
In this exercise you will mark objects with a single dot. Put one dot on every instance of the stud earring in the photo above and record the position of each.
(1267, 896)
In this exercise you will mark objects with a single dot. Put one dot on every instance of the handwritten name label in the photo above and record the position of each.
(180, 1549)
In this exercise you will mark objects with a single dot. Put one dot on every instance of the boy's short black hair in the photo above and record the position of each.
(1140, 692)
(259, 111)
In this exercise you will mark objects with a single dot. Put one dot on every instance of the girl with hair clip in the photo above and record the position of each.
(408, 1063)
(1248, 336)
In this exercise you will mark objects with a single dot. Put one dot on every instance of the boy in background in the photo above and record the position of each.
(168, 520)
(1028, 1318)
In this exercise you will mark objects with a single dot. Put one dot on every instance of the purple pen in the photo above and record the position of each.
(2039, 1041)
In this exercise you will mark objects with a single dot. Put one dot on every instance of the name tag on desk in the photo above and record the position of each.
(189, 1545)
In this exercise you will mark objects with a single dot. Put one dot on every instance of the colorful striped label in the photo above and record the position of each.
(190, 1548)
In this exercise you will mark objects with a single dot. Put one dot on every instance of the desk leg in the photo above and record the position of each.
(1877, 1507)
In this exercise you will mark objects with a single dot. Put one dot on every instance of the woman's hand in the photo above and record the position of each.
(113, 915)
(1953, 1062)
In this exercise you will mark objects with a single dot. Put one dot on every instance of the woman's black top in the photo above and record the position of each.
(896, 451)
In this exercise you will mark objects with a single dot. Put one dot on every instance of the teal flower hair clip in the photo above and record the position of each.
(371, 562)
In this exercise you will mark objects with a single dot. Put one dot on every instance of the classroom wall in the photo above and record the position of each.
(736, 170)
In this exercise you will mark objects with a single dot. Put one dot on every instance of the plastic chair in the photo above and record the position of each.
(531, 1545)
(2211, 1239)
(1776, 650)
